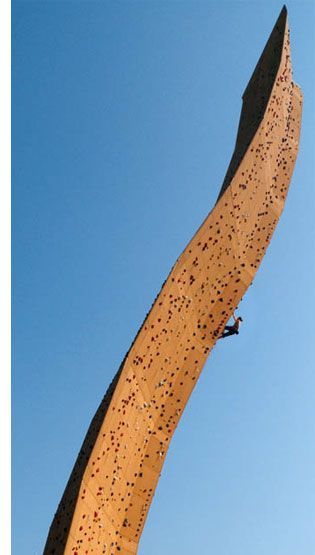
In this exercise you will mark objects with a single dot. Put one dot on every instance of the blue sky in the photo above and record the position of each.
(124, 121)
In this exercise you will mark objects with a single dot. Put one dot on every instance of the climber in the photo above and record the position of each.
(232, 330)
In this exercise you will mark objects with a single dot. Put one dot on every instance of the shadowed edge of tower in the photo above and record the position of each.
(58, 532)
(60, 526)
(254, 106)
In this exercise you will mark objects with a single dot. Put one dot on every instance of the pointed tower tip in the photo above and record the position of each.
(283, 14)
(272, 43)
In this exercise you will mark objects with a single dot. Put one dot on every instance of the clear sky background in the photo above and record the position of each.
(124, 121)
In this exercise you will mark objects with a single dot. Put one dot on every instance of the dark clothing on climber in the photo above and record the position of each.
(232, 330)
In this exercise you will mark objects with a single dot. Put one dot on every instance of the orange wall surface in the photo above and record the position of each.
(108, 496)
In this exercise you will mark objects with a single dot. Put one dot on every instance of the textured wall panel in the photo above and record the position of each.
(107, 498)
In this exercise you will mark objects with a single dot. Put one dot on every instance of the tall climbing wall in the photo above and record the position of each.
(108, 495)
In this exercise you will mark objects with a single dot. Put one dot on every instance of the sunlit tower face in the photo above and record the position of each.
(108, 496)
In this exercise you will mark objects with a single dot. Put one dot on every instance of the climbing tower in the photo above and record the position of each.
(109, 492)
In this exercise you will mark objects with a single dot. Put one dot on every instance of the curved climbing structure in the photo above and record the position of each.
(108, 496)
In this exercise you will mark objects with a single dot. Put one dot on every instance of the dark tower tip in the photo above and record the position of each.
(274, 43)
(257, 94)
